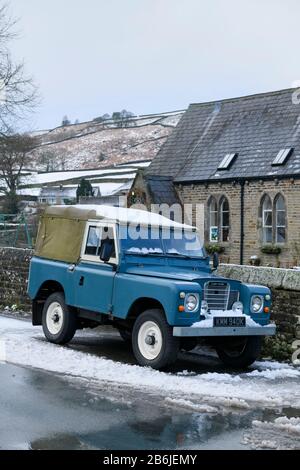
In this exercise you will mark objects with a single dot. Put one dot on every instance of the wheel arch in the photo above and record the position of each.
(141, 305)
(46, 289)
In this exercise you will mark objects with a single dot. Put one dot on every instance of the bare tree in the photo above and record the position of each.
(18, 94)
(48, 160)
(14, 159)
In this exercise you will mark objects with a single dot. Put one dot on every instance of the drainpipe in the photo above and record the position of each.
(242, 234)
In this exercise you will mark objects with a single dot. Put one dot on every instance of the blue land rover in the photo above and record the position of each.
(147, 276)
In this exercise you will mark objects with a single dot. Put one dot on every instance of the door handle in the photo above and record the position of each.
(81, 281)
(71, 268)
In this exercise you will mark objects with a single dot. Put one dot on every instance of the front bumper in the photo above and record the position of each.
(190, 332)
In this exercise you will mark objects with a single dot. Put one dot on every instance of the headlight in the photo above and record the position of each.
(257, 303)
(191, 302)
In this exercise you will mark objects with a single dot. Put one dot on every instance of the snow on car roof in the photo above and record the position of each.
(115, 214)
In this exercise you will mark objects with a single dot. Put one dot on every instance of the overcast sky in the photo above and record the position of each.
(96, 56)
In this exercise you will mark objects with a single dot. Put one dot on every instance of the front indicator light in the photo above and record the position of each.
(181, 308)
(266, 310)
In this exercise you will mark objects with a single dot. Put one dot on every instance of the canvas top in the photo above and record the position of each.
(112, 214)
(62, 228)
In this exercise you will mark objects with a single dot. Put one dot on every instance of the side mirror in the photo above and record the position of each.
(106, 250)
(216, 261)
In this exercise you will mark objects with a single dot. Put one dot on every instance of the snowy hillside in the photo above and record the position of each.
(94, 145)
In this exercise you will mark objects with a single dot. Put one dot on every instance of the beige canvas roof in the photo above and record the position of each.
(62, 228)
(115, 214)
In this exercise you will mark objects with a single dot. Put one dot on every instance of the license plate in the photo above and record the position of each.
(237, 322)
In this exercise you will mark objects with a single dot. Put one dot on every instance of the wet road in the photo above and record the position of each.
(56, 410)
(43, 411)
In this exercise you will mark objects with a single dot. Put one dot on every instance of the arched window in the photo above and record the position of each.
(273, 219)
(224, 220)
(267, 219)
(218, 219)
(213, 220)
(280, 212)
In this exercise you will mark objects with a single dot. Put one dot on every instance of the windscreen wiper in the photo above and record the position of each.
(179, 255)
(143, 254)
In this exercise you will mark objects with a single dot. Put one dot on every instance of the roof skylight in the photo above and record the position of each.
(282, 156)
(227, 161)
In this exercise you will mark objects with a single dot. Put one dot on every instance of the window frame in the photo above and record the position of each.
(219, 201)
(212, 200)
(276, 226)
(274, 213)
(222, 226)
(265, 198)
(95, 258)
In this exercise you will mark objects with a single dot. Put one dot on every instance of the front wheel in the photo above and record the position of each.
(59, 322)
(153, 342)
(240, 352)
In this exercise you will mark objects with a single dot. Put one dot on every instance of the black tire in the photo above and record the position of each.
(168, 345)
(188, 344)
(240, 352)
(126, 335)
(67, 320)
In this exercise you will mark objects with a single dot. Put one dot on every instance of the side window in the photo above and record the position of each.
(108, 237)
(95, 239)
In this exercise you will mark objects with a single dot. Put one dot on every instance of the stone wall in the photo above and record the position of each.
(285, 287)
(284, 283)
(254, 191)
(14, 268)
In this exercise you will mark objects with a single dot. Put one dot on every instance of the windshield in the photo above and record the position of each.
(155, 241)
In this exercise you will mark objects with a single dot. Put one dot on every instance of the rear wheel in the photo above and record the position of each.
(240, 352)
(152, 340)
(59, 322)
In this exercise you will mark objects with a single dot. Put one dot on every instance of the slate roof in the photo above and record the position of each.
(162, 190)
(256, 127)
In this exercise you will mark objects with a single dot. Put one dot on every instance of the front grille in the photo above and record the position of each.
(219, 296)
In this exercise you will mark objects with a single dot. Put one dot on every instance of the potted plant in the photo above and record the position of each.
(212, 248)
(271, 250)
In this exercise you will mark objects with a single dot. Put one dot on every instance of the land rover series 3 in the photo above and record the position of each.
(150, 278)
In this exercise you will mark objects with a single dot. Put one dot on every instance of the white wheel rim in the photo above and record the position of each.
(54, 318)
(150, 340)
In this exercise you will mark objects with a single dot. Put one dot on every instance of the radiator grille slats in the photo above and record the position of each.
(219, 296)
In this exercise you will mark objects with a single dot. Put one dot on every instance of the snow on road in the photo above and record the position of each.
(266, 385)
(282, 433)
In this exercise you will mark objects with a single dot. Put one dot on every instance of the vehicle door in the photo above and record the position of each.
(94, 279)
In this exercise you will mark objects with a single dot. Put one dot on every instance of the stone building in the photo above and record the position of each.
(240, 158)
